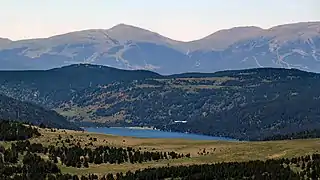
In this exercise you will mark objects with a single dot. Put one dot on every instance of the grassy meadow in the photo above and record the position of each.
(202, 151)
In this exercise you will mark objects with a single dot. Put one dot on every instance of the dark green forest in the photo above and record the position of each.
(252, 104)
(12, 109)
(50, 88)
(76, 156)
(13, 131)
(308, 134)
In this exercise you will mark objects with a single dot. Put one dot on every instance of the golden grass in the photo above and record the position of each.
(224, 149)
(216, 151)
(184, 83)
(86, 112)
(194, 87)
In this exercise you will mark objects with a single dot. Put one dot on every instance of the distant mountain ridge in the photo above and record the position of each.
(4, 42)
(128, 47)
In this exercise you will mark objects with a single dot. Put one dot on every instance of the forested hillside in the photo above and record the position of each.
(13, 131)
(51, 87)
(12, 109)
(244, 104)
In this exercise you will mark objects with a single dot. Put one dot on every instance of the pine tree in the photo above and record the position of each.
(85, 163)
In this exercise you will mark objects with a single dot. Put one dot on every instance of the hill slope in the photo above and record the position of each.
(248, 104)
(51, 87)
(4, 42)
(222, 39)
(128, 47)
(11, 109)
(243, 104)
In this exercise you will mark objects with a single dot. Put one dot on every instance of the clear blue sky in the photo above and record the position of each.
(177, 19)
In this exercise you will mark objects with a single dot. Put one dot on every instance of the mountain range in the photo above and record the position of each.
(250, 104)
(127, 47)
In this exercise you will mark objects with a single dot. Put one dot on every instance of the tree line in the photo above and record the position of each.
(33, 167)
(12, 131)
(308, 134)
(23, 160)
(273, 169)
(79, 157)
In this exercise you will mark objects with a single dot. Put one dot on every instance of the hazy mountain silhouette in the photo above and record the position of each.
(129, 47)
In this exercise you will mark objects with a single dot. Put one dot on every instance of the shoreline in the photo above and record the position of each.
(129, 127)
(181, 135)
(136, 127)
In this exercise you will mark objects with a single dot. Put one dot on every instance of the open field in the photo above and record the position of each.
(201, 151)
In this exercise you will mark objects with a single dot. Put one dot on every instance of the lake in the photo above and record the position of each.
(151, 133)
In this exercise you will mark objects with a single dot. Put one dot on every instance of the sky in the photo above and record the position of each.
(183, 20)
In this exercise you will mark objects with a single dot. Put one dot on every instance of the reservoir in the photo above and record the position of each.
(151, 133)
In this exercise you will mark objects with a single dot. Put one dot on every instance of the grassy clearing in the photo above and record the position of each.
(201, 151)
(87, 112)
(110, 168)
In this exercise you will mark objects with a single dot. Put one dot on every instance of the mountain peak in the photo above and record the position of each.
(123, 26)
(298, 25)
(4, 39)
(296, 31)
(225, 37)
(123, 32)
(240, 28)
(236, 33)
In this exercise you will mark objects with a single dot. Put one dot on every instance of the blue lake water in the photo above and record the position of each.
(150, 133)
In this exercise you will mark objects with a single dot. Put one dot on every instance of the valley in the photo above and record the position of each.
(160, 90)
(251, 104)
(215, 151)
(46, 143)
(261, 107)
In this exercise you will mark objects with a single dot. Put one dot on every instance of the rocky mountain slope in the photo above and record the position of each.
(4, 42)
(128, 47)
(243, 104)
(12, 109)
